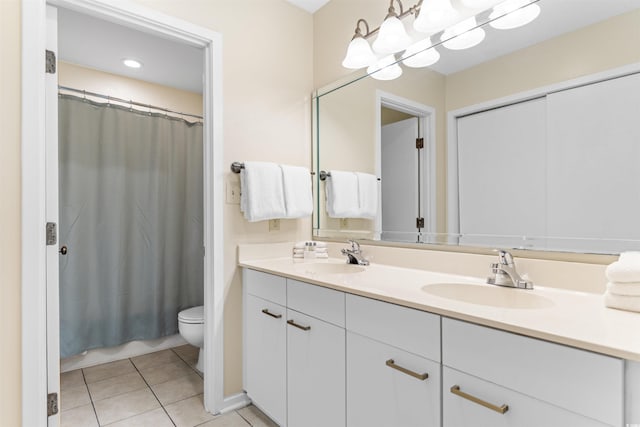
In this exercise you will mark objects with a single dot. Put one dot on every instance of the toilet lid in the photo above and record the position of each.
(192, 315)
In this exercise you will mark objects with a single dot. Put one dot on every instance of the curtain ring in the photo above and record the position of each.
(84, 94)
(130, 105)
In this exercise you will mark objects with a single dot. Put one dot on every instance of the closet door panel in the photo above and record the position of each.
(501, 167)
(593, 173)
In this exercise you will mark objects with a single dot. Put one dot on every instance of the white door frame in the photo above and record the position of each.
(427, 117)
(34, 265)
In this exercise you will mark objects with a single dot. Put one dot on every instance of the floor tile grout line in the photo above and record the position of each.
(246, 420)
(154, 393)
(185, 361)
(93, 406)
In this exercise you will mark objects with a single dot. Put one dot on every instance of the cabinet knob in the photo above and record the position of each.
(499, 409)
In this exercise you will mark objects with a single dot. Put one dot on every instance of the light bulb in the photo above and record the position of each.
(132, 63)
(464, 35)
(420, 54)
(435, 15)
(385, 69)
(359, 54)
(516, 14)
(392, 37)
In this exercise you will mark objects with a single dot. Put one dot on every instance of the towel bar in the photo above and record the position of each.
(324, 175)
(236, 167)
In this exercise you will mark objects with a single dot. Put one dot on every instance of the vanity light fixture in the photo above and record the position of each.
(392, 36)
(431, 16)
(132, 63)
(463, 35)
(516, 14)
(434, 16)
(420, 54)
(359, 53)
(385, 69)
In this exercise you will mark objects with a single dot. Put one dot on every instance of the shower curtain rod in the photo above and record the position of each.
(125, 101)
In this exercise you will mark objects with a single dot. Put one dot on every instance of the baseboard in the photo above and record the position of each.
(125, 351)
(237, 401)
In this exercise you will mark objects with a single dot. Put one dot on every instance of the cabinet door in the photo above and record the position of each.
(521, 410)
(384, 396)
(265, 357)
(316, 372)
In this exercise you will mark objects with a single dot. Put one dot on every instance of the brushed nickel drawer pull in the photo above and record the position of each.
(268, 313)
(304, 328)
(392, 364)
(499, 409)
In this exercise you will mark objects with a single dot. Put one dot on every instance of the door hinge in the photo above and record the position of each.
(419, 143)
(419, 222)
(50, 58)
(52, 404)
(52, 233)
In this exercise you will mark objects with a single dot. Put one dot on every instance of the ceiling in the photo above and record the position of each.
(309, 5)
(101, 45)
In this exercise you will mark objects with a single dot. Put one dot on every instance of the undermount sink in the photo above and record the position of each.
(329, 268)
(494, 296)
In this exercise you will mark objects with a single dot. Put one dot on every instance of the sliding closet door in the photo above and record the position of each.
(502, 173)
(594, 170)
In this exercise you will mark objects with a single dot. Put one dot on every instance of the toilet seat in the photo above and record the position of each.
(193, 315)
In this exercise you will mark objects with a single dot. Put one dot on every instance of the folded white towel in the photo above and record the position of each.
(629, 289)
(298, 198)
(625, 270)
(301, 245)
(622, 302)
(367, 195)
(342, 195)
(262, 193)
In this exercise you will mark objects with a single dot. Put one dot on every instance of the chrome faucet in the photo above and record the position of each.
(354, 255)
(505, 274)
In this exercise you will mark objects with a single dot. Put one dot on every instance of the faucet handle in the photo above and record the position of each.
(505, 257)
(355, 246)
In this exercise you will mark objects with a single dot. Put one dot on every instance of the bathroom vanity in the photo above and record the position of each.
(331, 344)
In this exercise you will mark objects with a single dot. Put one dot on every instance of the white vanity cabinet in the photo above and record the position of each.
(265, 343)
(315, 356)
(294, 355)
(393, 365)
(496, 378)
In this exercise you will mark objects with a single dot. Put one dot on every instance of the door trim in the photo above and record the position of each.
(34, 302)
(427, 117)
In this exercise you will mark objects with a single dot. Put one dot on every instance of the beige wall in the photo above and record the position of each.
(268, 76)
(10, 367)
(78, 77)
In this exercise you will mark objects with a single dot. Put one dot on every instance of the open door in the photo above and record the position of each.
(54, 248)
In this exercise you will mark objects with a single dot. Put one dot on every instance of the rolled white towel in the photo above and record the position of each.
(622, 302)
(628, 289)
(623, 271)
(320, 255)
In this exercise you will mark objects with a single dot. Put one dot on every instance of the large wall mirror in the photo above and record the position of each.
(530, 140)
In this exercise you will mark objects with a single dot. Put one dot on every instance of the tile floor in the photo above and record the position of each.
(157, 389)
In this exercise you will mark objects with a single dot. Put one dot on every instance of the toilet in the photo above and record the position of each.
(191, 327)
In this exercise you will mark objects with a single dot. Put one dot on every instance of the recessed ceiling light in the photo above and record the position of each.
(132, 63)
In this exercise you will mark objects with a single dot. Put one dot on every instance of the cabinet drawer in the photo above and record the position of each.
(322, 303)
(264, 285)
(580, 381)
(380, 396)
(412, 330)
(522, 411)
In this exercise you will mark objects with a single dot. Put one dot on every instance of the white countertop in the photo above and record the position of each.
(567, 317)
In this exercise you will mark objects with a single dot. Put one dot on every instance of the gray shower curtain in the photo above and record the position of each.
(131, 214)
